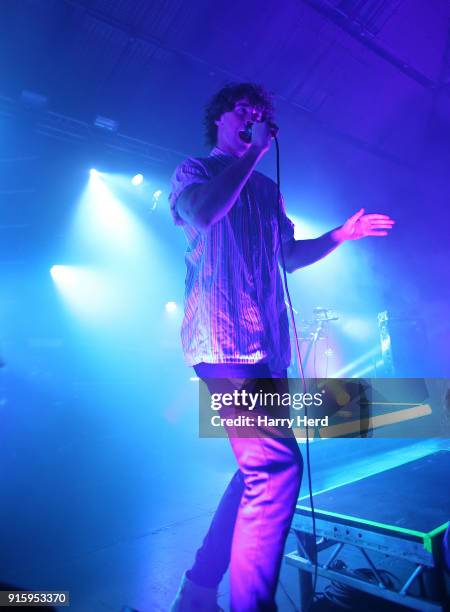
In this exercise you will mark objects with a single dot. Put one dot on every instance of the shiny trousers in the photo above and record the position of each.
(249, 528)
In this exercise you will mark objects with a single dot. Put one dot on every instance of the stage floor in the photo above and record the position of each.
(126, 538)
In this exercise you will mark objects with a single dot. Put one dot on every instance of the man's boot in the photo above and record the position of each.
(192, 597)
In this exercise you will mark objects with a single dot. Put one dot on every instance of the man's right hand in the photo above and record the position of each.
(261, 136)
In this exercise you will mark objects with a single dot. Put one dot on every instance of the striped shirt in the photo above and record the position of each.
(234, 299)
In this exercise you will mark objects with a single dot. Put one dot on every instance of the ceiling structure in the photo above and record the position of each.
(362, 90)
(369, 70)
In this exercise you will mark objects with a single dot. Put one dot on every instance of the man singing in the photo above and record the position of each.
(236, 328)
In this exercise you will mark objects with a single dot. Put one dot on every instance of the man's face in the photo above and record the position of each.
(231, 123)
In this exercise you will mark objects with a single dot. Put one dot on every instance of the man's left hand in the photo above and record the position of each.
(361, 225)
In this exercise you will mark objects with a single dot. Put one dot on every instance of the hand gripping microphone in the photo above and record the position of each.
(246, 134)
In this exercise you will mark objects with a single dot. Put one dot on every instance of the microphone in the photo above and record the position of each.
(246, 134)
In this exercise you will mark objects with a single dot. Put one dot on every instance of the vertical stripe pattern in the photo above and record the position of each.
(234, 298)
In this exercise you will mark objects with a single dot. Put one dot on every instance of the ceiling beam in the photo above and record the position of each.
(357, 31)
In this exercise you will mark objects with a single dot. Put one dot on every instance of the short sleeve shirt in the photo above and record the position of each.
(235, 310)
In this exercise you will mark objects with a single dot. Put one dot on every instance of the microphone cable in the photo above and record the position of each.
(302, 374)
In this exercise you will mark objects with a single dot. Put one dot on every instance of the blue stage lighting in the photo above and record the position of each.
(94, 172)
(57, 272)
(137, 179)
(156, 196)
(171, 306)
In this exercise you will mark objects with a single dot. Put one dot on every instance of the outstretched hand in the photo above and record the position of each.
(361, 225)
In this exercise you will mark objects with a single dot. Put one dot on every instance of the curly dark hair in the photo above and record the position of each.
(225, 99)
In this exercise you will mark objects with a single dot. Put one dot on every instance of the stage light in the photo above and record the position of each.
(171, 306)
(64, 275)
(351, 367)
(92, 294)
(94, 172)
(156, 196)
(57, 272)
(137, 179)
(370, 368)
(304, 229)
